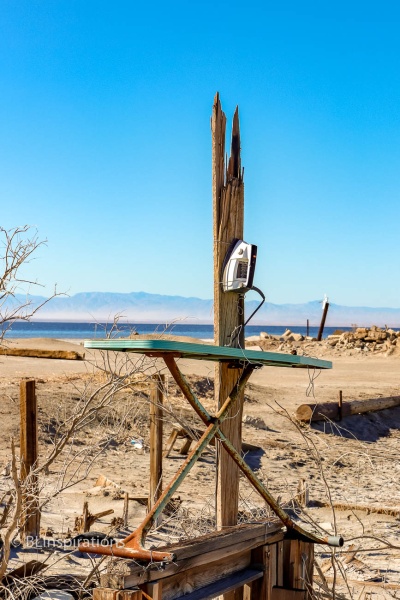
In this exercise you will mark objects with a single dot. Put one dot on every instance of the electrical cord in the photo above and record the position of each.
(256, 289)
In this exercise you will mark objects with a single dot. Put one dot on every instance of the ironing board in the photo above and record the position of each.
(246, 361)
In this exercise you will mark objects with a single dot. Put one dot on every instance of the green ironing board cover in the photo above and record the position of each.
(206, 352)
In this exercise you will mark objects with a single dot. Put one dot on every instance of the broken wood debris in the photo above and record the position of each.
(86, 520)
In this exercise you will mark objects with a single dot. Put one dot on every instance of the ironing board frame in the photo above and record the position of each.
(132, 546)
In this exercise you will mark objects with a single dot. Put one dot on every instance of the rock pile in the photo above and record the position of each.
(373, 339)
(361, 341)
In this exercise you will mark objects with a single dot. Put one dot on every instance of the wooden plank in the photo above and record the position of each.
(156, 437)
(247, 590)
(222, 586)
(272, 568)
(29, 455)
(279, 578)
(308, 554)
(287, 572)
(232, 539)
(138, 576)
(259, 589)
(297, 578)
(154, 590)
(231, 536)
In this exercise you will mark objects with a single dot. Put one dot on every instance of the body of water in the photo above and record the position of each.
(100, 330)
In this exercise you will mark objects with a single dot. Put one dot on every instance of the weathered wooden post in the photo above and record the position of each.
(156, 438)
(325, 308)
(228, 214)
(29, 457)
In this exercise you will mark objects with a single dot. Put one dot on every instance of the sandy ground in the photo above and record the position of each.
(358, 459)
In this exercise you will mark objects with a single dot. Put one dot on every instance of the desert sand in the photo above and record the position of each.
(358, 457)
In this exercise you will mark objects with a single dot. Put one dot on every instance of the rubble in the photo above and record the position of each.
(363, 339)
(360, 341)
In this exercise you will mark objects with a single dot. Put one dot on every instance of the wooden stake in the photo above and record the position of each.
(125, 510)
(322, 325)
(156, 438)
(228, 212)
(340, 405)
(29, 457)
(85, 517)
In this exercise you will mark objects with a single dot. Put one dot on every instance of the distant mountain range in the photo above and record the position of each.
(155, 308)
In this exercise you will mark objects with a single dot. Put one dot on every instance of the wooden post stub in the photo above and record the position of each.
(125, 511)
(85, 517)
(156, 438)
(228, 217)
(340, 405)
(29, 456)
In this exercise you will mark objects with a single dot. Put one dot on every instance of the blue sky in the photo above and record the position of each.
(105, 142)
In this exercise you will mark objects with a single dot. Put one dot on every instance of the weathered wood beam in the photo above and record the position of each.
(330, 410)
(228, 217)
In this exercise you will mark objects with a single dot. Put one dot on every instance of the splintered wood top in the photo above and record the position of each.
(159, 347)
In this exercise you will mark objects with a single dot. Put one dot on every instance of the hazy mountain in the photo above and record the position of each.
(154, 308)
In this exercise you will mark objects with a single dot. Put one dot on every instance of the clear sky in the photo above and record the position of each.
(105, 142)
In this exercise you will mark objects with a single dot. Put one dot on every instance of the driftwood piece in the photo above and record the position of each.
(36, 353)
(330, 410)
(393, 511)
